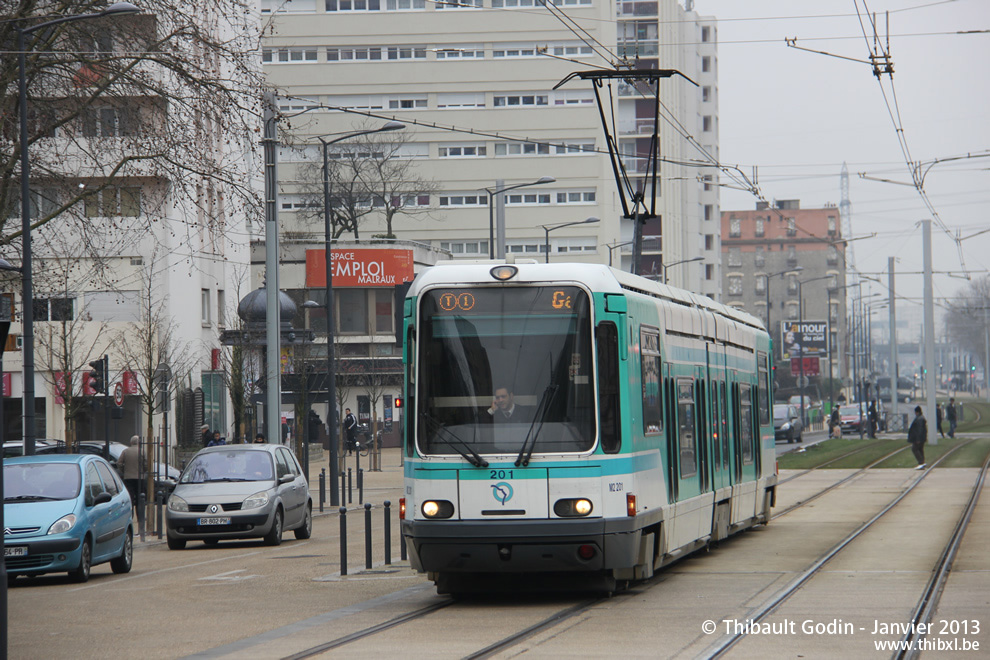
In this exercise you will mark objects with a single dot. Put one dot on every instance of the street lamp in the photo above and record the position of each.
(801, 382)
(677, 263)
(27, 297)
(613, 247)
(331, 371)
(491, 208)
(547, 230)
(796, 269)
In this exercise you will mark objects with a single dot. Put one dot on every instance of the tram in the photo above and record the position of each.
(574, 418)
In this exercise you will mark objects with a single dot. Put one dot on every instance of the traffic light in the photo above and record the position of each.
(98, 376)
(397, 403)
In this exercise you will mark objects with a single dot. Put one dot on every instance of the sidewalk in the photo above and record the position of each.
(378, 486)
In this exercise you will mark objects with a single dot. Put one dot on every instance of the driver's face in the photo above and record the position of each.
(503, 399)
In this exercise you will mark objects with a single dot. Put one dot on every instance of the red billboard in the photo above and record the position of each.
(810, 366)
(360, 267)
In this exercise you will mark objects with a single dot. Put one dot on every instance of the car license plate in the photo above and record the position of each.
(213, 521)
(15, 551)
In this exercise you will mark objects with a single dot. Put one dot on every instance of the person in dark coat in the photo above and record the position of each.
(950, 416)
(129, 466)
(917, 436)
(350, 428)
(207, 435)
(938, 419)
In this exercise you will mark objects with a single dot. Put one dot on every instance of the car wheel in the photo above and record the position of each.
(122, 564)
(211, 541)
(305, 530)
(81, 573)
(274, 535)
(176, 544)
(800, 437)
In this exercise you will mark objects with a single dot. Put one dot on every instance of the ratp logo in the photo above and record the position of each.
(502, 492)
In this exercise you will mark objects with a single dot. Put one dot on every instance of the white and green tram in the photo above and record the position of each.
(640, 427)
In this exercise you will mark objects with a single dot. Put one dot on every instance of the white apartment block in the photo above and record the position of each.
(474, 81)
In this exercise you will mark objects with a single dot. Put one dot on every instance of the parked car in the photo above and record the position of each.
(65, 512)
(16, 447)
(166, 476)
(849, 418)
(787, 424)
(239, 492)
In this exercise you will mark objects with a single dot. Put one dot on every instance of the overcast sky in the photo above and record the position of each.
(797, 116)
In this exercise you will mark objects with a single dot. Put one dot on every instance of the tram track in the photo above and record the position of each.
(829, 462)
(723, 646)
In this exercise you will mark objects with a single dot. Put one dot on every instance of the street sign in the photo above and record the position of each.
(118, 394)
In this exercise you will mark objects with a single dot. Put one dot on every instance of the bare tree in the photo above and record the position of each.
(149, 344)
(132, 116)
(370, 177)
(967, 318)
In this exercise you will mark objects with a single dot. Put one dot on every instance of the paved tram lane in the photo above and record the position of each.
(246, 600)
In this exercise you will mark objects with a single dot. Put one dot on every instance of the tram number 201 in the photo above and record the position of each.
(500, 474)
(615, 487)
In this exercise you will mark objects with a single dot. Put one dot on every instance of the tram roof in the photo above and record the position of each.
(597, 277)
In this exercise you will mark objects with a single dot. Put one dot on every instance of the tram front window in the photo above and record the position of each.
(498, 364)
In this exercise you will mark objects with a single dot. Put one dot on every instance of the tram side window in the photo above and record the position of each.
(746, 424)
(649, 339)
(687, 438)
(410, 412)
(764, 388)
(608, 386)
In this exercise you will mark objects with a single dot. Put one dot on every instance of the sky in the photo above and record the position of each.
(797, 116)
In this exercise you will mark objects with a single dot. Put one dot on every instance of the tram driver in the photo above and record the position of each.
(504, 408)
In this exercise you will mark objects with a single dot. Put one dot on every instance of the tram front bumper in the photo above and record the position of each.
(521, 546)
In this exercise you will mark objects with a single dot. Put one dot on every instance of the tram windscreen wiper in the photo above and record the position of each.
(536, 426)
(471, 456)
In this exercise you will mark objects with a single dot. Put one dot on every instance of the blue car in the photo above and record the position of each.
(65, 513)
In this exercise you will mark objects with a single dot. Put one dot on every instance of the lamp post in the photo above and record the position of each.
(27, 298)
(612, 247)
(677, 263)
(327, 236)
(498, 190)
(831, 352)
(797, 269)
(550, 228)
(801, 284)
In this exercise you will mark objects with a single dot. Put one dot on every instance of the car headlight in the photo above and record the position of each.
(786, 426)
(63, 524)
(176, 503)
(256, 500)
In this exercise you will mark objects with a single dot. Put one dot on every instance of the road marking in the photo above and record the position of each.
(229, 575)
(165, 570)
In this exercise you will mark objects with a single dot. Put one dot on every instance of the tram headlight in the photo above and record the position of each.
(503, 273)
(573, 508)
(437, 509)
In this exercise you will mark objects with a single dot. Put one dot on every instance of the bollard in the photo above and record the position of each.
(367, 535)
(343, 485)
(160, 499)
(343, 540)
(388, 533)
(402, 544)
(323, 488)
(360, 485)
(140, 514)
(350, 487)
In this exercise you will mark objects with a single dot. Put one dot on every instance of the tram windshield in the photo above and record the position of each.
(503, 367)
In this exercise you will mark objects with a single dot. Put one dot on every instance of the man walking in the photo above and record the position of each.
(350, 428)
(950, 415)
(129, 465)
(917, 436)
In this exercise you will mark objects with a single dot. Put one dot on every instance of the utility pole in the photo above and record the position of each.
(926, 226)
(893, 372)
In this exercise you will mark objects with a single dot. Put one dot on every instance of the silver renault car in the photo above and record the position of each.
(239, 492)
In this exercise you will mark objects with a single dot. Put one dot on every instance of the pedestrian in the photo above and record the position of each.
(129, 466)
(917, 436)
(350, 428)
(217, 440)
(835, 423)
(207, 436)
(938, 419)
(950, 416)
(259, 439)
(872, 416)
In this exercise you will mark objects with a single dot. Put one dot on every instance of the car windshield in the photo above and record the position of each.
(780, 412)
(217, 466)
(27, 482)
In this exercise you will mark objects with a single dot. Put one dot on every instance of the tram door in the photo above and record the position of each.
(718, 419)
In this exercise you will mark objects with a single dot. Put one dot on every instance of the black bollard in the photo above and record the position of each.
(160, 499)
(343, 540)
(323, 488)
(388, 533)
(343, 484)
(367, 535)
(141, 512)
(360, 485)
(350, 487)
(402, 545)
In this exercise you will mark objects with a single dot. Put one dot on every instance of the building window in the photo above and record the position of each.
(709, 241)
(398, 5)
(462, 151)
(461, 53)
(791, 255)
(761, 284)
(709, 272)
(205, 306)
(352, 5)
(465, 248)
(792, 284)
(832, 255)
(735, 285)
(463, 200)
(735, 228)
(521, 100)
(832, 282)
(576, 197)
(449, 100)
(352, 310)
(54, 309)
(709, 211)
(707, 179)
(113, 202)
(706, 94)
(513, 51)
(760, 229)
(106, 122)
(735, 257)
(406, 52)
(706, 63)
(521, 149)
(706, 33)
(832, 226)
(293, 55)
(459, 4)
(354, 54)
(706, 123)
(759, 257)
(527, 199)
(407, 103)
(791, 227)
(792, 311)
